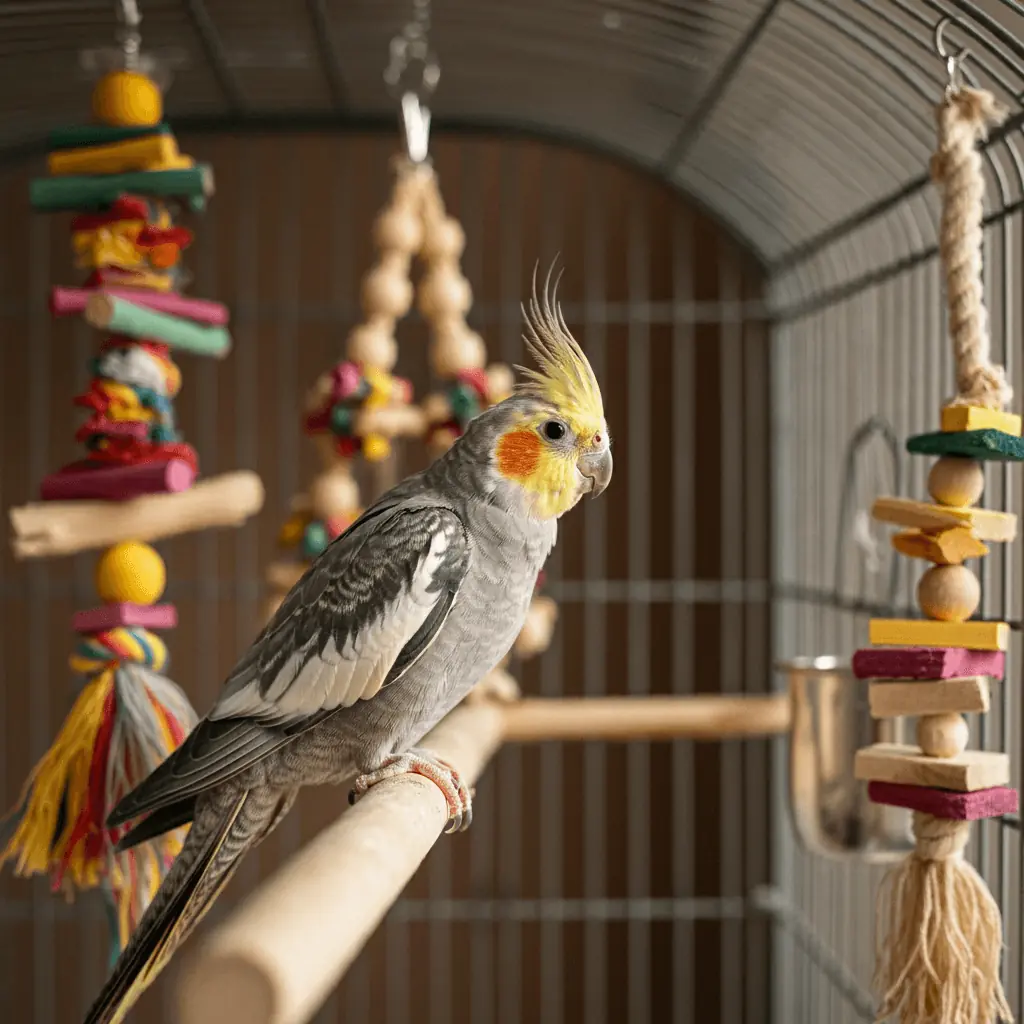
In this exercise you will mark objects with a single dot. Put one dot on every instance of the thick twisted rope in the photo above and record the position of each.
(963, 120)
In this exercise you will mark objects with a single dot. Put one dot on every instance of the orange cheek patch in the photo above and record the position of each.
(518, 454)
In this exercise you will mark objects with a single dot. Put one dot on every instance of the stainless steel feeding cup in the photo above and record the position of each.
(830, 722)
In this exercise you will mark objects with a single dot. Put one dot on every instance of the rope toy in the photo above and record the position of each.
(939, 935)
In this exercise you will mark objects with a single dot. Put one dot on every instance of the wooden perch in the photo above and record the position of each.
(289, 944)
(277, 958)
(62, 528)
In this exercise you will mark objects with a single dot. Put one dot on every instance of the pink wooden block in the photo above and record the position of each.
(69, 301)
(926, 663)
(943, 803)
(110, 616)
(118, 483)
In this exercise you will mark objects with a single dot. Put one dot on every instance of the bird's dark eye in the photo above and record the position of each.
(553, 430)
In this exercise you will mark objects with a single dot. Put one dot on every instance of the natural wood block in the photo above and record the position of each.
(987, 524)
(978, 636)
(889, 698)
(957, 418)
(985, 445)
(946, 547)
(927, 663)
(941, 803)
(967, 772)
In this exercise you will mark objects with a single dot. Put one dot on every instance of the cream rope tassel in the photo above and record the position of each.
(940, 934)
(963, 120)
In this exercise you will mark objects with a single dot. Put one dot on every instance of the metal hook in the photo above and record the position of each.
(954, 62)
(410, 50)
(129, 36)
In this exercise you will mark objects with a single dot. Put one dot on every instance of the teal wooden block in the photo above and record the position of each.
(984, 445)
(85, 135)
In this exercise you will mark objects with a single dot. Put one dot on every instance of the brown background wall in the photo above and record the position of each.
(651, 289)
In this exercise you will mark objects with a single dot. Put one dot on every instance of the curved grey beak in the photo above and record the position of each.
(597, 468)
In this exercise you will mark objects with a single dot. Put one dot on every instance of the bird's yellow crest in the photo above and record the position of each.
(563, 376)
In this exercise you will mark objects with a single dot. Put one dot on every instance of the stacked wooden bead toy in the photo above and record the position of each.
(938, 960)
(135, 482)
(938, 668)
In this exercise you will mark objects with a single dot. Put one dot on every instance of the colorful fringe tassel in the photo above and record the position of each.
(125, 721)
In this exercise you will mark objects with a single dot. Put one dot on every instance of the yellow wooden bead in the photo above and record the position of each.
(956, 481)
(131, 572)
(376, 448)
(949, 593)
(127, 98)
(942, 735)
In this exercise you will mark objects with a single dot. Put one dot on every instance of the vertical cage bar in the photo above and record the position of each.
(683, 498)
(510, 782)
(595, 618)
(552, 667)
(638, 617)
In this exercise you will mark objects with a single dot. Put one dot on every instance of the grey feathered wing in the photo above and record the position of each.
(363, 613)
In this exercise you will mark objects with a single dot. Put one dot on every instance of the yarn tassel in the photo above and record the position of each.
(125, 721)
(940, 934)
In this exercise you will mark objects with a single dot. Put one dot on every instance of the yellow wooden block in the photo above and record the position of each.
(944, 547)
(967, 772)
(956, 418)
(892, 698)
(151, 152)
(973, 635)
(987, 524)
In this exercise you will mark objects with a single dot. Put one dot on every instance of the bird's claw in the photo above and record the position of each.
(430, 766)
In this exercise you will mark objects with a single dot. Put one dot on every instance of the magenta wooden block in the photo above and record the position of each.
(69, 301)
(926, 663)
(943, 803)
(118, 483)
(110, 616)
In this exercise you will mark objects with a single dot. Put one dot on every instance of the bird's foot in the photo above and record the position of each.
(422, 762)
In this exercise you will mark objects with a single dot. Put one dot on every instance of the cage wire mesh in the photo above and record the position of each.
(642, 880)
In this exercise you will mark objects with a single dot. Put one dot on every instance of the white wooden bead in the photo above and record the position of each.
(500, 381)
(333, 493)
(457, 348)
(942, 735)
(398, 228)
(949, 593)
(373, 345)
(443, 239)
(444, 292)
(956, 481)
(386, 292)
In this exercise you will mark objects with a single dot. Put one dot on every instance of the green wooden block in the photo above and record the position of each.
(984, 445)
(82, 136)
(95, 192)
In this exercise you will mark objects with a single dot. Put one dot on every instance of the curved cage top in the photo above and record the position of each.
(800, 123)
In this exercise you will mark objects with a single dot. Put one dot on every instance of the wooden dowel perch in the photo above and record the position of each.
(61, 528)
(277, 958)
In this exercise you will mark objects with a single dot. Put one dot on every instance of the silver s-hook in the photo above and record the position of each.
(954, 61)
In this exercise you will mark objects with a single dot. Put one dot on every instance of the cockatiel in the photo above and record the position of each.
(387, 631)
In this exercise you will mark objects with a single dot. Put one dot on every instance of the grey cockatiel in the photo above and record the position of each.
(385, 633)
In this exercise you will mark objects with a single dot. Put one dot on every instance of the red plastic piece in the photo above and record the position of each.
(943, 803)
(926, 663)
